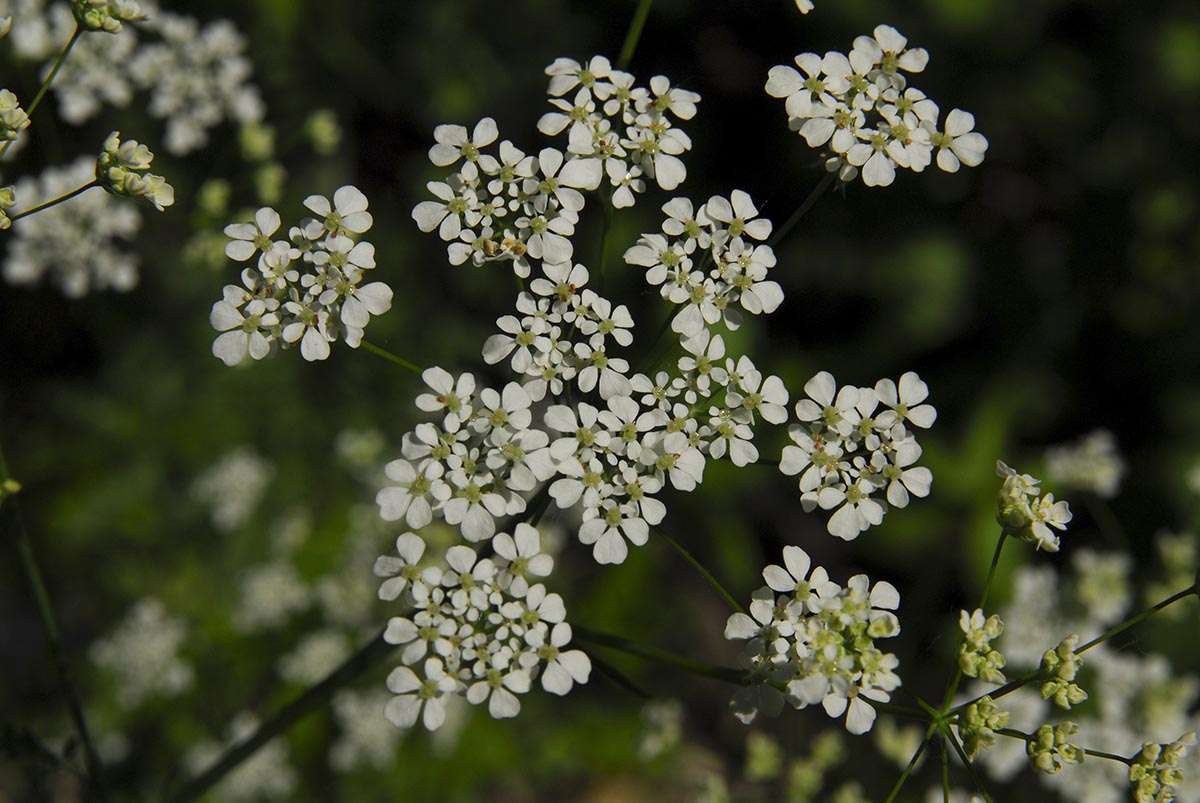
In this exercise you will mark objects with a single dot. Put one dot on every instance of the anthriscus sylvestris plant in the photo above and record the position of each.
(594, 428)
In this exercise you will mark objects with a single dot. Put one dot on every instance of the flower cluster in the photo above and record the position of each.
(13, 119)
(1092, 463)
(845, 451)
(197, 77)
(1026, 515)
(1051, 747)
(976, 656)
(514, 208)
(76, 243)
(142, 654)
(123, 170)
(278, 304)
(1155, 773)
(817, 639)
(977, 725)
(626, 127)
(725, 235)
(1061, 665)
(478, 629)
(861, 106)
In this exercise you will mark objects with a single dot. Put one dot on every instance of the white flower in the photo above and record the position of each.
(453, 142)
(739, 215)
(347, 214)
(522, 556)
(563, 669)
(607, 533)
(414, 693)
(249, 330)
(451, 396)
(247, 238)
(400, 571)
(958, 143)
(812, 591)
(839, 415)
(907, 403)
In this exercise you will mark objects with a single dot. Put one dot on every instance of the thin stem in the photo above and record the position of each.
(705, 573)
(37, 99)
(987, 587)
(991, 575)
(808, 203)
(33, 574)
(56, 201)
(945, 773)
(1013, 733)
(962, 755)
(912, 763)
(623, 644)
(316, 697)
(906, 711)
(635, 33)
(387, 355)
(617, 676)
(1128, 623)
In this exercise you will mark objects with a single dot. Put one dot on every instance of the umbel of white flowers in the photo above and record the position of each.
(123, 170)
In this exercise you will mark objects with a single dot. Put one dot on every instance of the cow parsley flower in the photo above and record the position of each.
(818, 639)
(861, 107)
(478, 633)
(307, 291)
(846, 451)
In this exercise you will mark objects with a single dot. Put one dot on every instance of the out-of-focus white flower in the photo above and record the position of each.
(142, 654)
(1092, 463)
(74, 243)
(233, 486)
(197, 78)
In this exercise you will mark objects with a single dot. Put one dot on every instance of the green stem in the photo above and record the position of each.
(945, 773)
(634, 34)
(623, 644)
(1128, 623)
(315, 698)
(808, 203)
(949, 736)
(906, 711)
(56, 201)
(617, 676)
(705, 573)
(987, 587)
(912, 763)
(1013, 733)
(387, 355)
(606, 237)
(33, 574)
(37, 99)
